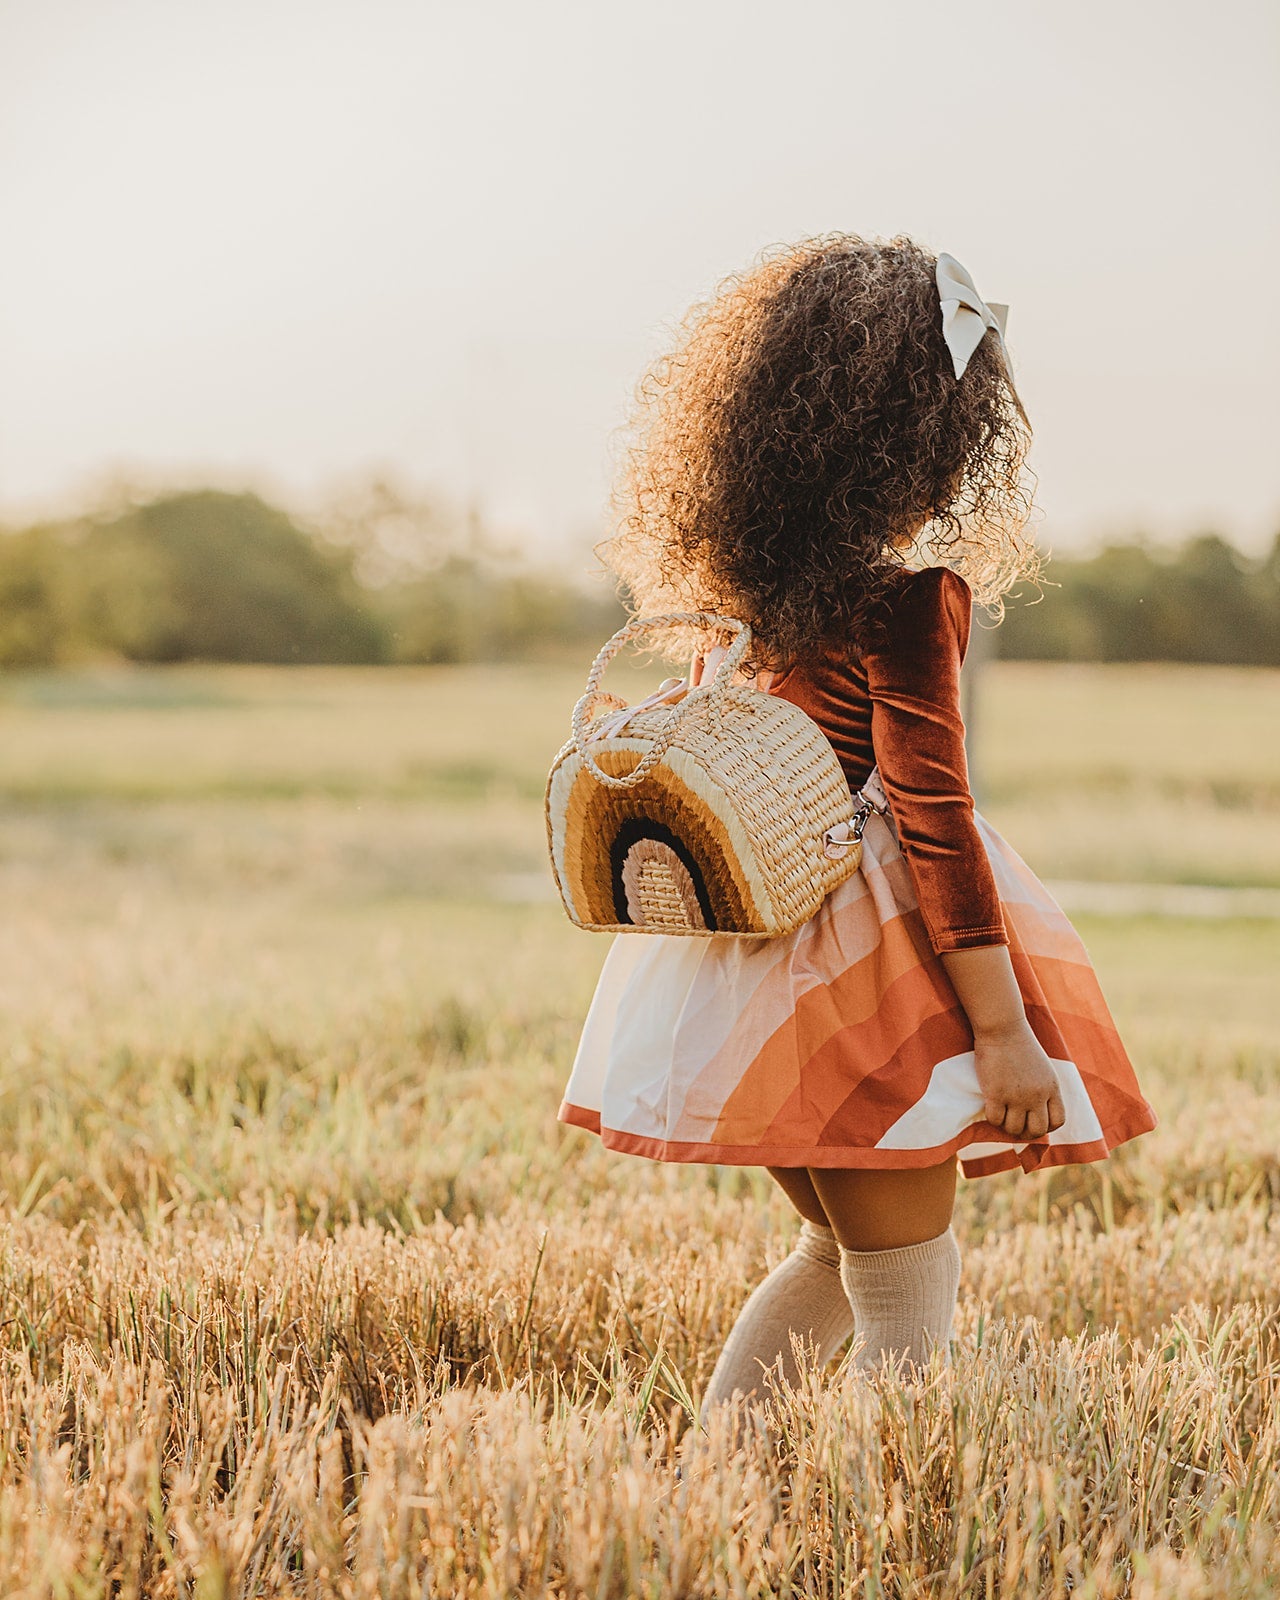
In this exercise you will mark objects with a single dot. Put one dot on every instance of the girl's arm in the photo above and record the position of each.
(913, 676)
(1019, 1085)
(912, 663)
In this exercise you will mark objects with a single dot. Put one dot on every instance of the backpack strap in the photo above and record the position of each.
(872, 791)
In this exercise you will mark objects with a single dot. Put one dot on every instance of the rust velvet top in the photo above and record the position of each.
(896, 705)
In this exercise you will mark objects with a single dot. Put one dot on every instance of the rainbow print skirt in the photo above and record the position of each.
(842, 1044)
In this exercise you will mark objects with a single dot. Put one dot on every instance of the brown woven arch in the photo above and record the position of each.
(594, 815)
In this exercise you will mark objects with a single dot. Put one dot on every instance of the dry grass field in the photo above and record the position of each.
(303, 1292)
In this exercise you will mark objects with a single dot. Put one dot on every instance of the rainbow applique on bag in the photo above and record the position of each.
(714, 809)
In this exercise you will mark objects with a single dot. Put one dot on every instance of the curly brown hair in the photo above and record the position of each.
(807, 438)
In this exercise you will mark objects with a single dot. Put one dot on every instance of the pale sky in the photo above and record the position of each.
(286, 242)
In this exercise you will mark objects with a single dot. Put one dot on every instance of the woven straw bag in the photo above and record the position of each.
(726, 812)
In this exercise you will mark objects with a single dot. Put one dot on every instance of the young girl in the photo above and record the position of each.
(832, 421)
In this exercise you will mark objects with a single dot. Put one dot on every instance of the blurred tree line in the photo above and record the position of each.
(387, 577)
(1203, 601)
(210, 576)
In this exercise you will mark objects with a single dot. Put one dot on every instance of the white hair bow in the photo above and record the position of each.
(967, 319)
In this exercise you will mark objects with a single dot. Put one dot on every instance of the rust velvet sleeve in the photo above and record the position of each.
(913, 679)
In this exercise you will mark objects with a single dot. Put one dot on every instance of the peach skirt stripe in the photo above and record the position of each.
(843, 1044)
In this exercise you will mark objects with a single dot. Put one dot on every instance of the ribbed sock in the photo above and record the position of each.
(803, 1295)
(903, 1300)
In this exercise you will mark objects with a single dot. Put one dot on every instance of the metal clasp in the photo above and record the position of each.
(846, 836)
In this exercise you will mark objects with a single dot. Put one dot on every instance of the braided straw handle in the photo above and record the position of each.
(733, 659)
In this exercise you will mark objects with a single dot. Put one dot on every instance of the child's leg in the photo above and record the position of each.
(899, 1262)
(798, 1187)
(803, 1295)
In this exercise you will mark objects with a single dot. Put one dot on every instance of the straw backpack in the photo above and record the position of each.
(715, 809)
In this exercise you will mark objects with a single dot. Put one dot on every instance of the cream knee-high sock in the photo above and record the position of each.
(903, 1300)
(802, 1295)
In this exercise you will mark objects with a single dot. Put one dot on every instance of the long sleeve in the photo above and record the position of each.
(913, 679)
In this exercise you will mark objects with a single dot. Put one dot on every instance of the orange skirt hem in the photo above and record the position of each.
(1034, 1157)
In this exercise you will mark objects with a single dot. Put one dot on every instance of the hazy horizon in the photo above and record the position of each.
(284, 244)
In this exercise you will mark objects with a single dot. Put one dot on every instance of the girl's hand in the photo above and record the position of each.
(1019, 1086)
